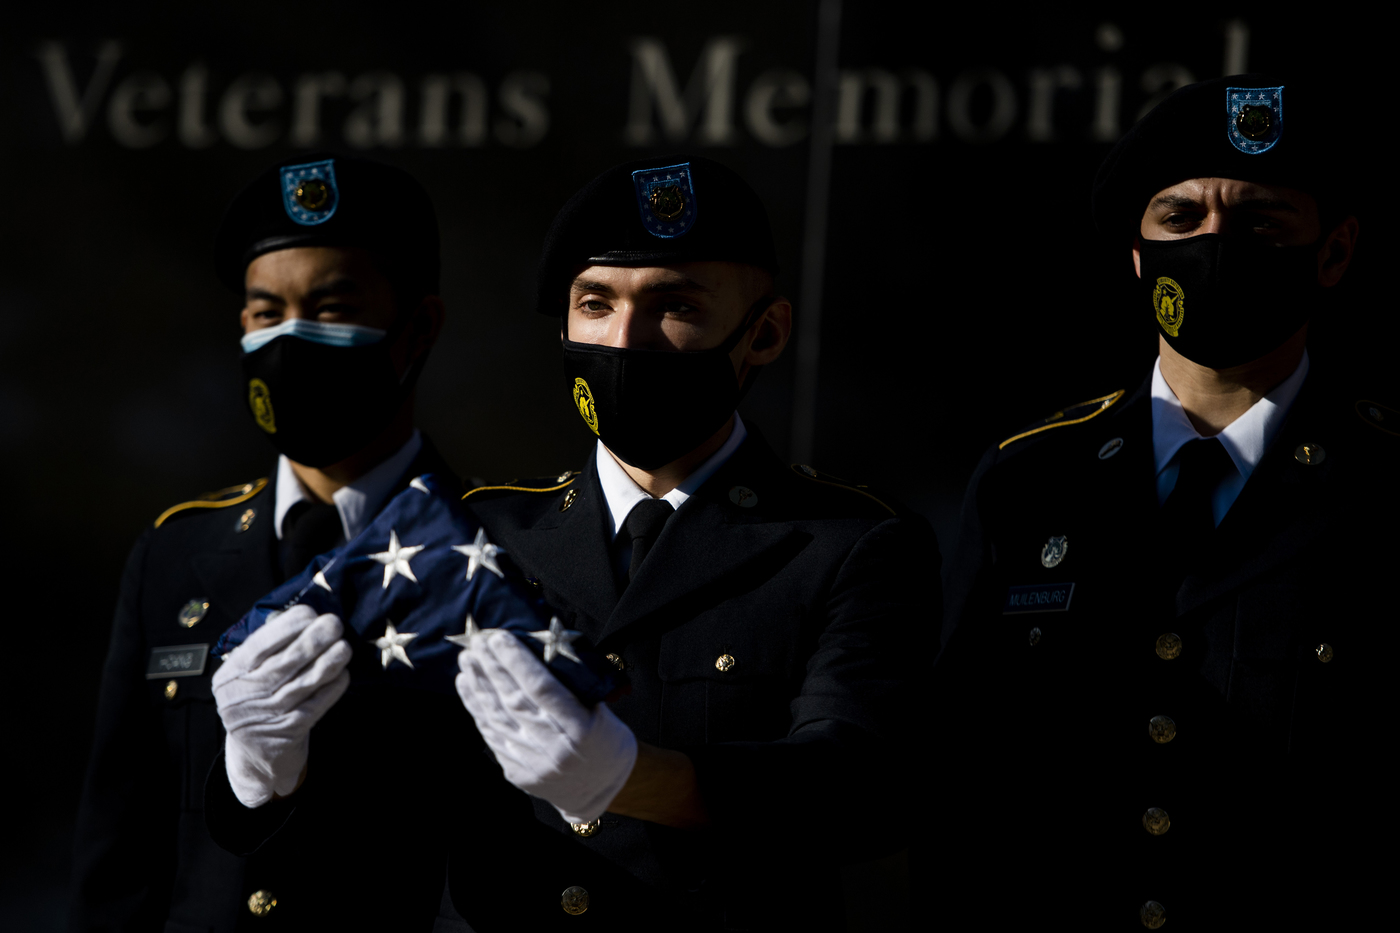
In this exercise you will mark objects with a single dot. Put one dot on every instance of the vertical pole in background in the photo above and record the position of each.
(808, 315)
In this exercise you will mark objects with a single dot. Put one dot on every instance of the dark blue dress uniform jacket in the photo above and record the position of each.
(822, 597)
(1269, 783)
(144, 859)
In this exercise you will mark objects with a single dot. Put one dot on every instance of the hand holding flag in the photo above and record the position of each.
(415, 587)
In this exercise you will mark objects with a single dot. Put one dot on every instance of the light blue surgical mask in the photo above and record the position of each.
(330, 335)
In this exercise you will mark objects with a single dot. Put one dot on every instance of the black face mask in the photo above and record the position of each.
(651, 407)
(1221, 301)
(319, 404)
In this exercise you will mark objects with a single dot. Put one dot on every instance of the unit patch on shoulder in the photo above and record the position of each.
(221, 499)
(811, 473)
(1381, 417)
(666, 199)
(1074, 414)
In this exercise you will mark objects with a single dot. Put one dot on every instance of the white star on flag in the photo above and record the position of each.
(391, 645)
(480, 553)
(395, 560)
(557, 640)
(465, 639)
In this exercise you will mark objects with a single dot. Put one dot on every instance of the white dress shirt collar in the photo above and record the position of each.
(1245, 439)
(357, 502)
(621, 493)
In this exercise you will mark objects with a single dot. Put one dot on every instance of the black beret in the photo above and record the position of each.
(320, 199)
(655, 212)
(1258, 128)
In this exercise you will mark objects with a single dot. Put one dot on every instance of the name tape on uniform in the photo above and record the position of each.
(177, 661)
(1041, 597)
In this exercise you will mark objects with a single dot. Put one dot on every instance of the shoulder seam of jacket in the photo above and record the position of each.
(211, 500)
(1104, 402)
(802, 471)
(569, 481)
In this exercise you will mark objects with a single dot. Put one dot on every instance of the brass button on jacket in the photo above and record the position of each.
(574, 900)
(1153, 915)
(586, 829)
(1162, 729)
(1169, 646)
(260, 903)
(1156, 821)
(1324, 652)
(1035, 635)
(171, 688)
(724, 663)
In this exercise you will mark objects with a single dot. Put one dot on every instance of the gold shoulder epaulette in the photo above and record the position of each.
(1074, 414)
(811, 473)
(546, 484)
(221, 499)
(1381, 417)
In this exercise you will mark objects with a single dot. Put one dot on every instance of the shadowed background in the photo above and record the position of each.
(948, 285)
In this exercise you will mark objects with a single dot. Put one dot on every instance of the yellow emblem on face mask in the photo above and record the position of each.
(260, 400)
(1170, 302)
(583, 398)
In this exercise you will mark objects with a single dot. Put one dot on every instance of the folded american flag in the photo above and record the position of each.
(413, 588)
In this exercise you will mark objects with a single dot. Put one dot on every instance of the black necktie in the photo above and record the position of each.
(309, 528)
(1188, 519)
(641, 528)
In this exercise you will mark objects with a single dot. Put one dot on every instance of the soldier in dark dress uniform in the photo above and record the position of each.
(337, 260)
(763, 615)
(1161, 697)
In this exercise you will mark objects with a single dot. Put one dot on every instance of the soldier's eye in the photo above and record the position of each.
(677, 307)
(595, 306)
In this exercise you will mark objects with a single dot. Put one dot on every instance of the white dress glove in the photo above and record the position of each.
(549, 744)
(270, 691)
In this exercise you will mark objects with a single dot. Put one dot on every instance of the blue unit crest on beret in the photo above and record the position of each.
(309, 192)
(1254, 118)
(666, 199)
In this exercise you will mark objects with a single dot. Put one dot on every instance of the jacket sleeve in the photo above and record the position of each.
(239, 829)
(850, 738)
(125, 836)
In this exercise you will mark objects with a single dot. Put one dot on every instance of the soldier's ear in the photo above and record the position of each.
(1137, 256)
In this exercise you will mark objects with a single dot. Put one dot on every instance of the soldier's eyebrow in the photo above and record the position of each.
(678, 284)
(1176, 202)
(590, 287)
(340, 286)
(261, 294)
(1180, 202)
